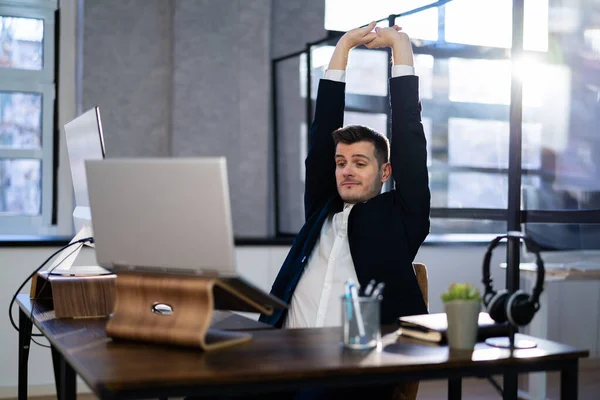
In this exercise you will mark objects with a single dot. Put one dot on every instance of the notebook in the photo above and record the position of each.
(432, 327)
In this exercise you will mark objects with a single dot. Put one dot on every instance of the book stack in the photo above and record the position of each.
(433, 327)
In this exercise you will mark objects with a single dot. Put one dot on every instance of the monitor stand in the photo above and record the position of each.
(63, 264)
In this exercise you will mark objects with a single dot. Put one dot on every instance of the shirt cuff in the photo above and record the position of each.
(338, 75)
(401, 70)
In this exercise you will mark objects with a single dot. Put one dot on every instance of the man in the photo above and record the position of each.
(351, 229)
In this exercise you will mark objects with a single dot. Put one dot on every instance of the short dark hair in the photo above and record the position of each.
(359, 133)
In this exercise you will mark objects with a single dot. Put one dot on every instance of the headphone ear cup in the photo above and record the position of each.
(519, 309)
(497, 306)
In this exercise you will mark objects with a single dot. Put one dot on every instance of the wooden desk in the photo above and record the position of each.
(557, 272)
(86, 331)
(275, 360)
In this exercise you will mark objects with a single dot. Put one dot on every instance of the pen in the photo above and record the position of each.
(378, 290)
(369, 287)
(348, 299)
(359, 320)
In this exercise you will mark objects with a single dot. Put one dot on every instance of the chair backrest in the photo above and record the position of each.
(409, 390)
(421, 274)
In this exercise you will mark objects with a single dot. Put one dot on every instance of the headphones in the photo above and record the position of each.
(517, 308)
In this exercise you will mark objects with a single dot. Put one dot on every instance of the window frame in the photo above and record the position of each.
(41, 82)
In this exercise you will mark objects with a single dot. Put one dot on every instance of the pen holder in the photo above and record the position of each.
(360, 322)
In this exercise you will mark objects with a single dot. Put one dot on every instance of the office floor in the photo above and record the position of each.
(480, 389)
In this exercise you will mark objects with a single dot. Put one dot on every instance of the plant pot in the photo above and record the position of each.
(463, 316)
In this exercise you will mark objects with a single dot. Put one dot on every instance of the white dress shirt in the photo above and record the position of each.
(317, 299)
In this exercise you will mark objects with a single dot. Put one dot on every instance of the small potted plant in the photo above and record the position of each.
(462, 303)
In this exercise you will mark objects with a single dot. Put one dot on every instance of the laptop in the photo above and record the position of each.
(166, 216)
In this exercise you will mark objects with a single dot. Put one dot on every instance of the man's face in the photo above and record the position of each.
(358, 174)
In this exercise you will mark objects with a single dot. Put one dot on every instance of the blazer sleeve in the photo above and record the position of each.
(409, 160)
(320, 183)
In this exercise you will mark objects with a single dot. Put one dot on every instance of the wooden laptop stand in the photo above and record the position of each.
(177, 310)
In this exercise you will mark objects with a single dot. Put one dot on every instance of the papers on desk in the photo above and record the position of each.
(579, 266)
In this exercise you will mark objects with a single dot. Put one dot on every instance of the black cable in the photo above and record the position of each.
(36, 297)
(40, 344)
(41, 290)
(14, 298)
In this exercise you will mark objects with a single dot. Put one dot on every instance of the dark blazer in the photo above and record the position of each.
(385, 232)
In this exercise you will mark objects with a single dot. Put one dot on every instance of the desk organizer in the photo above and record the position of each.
(75, 296)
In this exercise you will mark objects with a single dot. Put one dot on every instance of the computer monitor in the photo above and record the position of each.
(564, 245)
(85, 141)
(571, 246)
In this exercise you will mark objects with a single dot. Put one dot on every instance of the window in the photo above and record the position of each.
(466, 96)
(489, 23)
(483, 143)
(366, 73)
(27, 95)
(463, 58)
(342, 15)
(377, 121)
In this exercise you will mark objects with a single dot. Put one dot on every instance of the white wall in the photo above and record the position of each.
(260, 264)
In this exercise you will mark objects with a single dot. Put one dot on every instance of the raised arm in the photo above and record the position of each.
(409, 148)
(408, 144)
(329, 116)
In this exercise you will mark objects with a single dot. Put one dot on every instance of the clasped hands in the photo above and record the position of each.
(380, 37)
